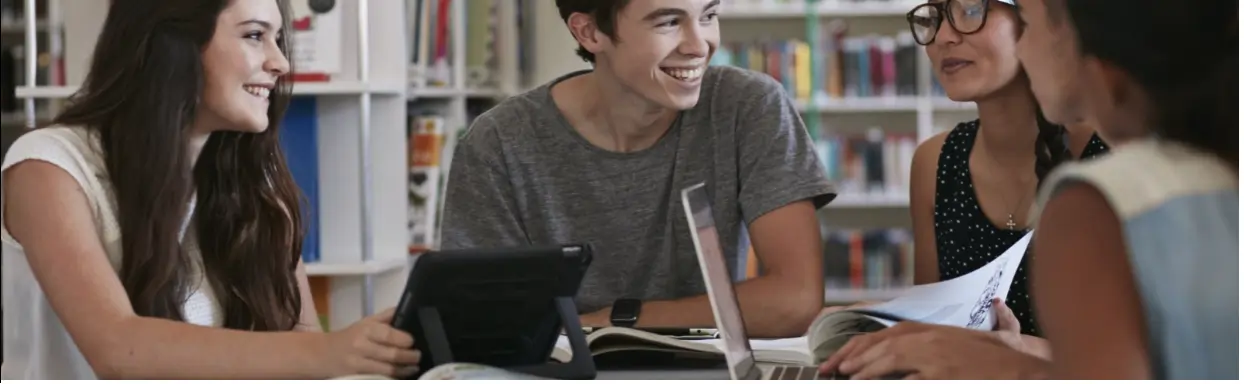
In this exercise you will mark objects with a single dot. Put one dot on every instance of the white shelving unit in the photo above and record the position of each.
(744, 20)
(362, 133)
(923, 114)
(451, 101)
(749, 9)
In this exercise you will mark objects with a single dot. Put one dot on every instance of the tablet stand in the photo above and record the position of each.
(580, 367)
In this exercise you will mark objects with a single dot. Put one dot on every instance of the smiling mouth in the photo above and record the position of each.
(259, 91)
(954, 65)
(686, 74)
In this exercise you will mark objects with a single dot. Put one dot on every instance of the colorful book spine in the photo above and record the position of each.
(426, 140)
(873, 163)
(868, 259)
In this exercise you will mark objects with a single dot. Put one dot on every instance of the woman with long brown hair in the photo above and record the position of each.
(153, 229)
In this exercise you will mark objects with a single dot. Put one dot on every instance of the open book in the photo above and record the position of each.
(616, 340)
(965, 302)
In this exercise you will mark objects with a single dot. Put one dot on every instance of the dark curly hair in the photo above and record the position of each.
(1182, 53)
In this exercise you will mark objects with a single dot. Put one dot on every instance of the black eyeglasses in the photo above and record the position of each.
(965, 16)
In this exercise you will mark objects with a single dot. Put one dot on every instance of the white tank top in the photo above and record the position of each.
(36, 345)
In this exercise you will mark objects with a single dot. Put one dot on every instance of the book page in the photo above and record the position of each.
(789, 351)
(964, 301)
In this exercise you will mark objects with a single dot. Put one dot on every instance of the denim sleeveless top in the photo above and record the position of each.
(1179, 210)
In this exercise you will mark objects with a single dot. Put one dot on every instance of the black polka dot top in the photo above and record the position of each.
(966, 239)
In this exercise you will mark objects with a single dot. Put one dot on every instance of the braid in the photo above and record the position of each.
(1051, 146)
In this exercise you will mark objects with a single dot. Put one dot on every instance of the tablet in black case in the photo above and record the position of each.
(503, 307)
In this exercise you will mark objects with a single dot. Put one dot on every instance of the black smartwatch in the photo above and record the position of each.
(625, 312)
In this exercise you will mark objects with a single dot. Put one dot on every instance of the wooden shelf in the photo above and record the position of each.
(355, 269)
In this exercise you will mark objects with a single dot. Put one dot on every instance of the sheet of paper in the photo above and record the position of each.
(963, 301)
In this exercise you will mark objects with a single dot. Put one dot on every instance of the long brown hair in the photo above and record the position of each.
(140, 97)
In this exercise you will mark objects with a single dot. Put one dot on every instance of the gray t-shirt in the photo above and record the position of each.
(523, 176)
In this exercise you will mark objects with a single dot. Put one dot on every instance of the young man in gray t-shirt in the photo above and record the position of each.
(601, 156)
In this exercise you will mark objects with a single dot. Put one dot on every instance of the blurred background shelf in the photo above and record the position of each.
(355, 269)
(841, 296)
(346, 88)
(861, 105)
(871, 200)
(444, 92)
(752, 9)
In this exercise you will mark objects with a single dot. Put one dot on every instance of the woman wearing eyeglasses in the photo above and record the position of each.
(972, 187)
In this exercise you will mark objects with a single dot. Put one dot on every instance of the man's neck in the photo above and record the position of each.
(1009, 125)
(610, 116)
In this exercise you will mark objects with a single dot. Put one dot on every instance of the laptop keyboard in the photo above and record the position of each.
(794, 373)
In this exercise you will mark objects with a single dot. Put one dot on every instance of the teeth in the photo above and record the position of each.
(257, 91)
(684, 74)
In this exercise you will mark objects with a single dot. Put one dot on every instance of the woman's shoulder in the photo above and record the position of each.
(958, 140)
(75, 150)
(1141, 176)
(67, 147)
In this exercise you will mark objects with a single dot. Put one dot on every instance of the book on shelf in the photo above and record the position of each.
(316, 35)
(430, 33)
(868, 259)
(426, 139)
(964, 302)
(841, 66)
(876, 162)
(321, 293)
(300, 143)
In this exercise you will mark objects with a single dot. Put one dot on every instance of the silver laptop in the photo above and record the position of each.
(739, 358)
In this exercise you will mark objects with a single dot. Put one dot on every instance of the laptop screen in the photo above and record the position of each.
(717, 282)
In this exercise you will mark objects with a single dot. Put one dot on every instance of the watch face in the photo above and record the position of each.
(625, 310)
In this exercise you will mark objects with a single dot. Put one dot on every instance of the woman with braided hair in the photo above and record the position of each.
(973, 186)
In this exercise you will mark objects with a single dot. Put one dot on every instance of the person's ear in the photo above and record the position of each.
(1112, 84)
(585, 31)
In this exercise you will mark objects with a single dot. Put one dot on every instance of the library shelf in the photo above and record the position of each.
(448, 92)
(825, 8)
(861, 104)
(840, 296)
(370, 267)
(344, 88)
(870, 200)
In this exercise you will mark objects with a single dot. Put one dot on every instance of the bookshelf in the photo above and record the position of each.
(907, 103)
(462, 62)
(359, 122)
